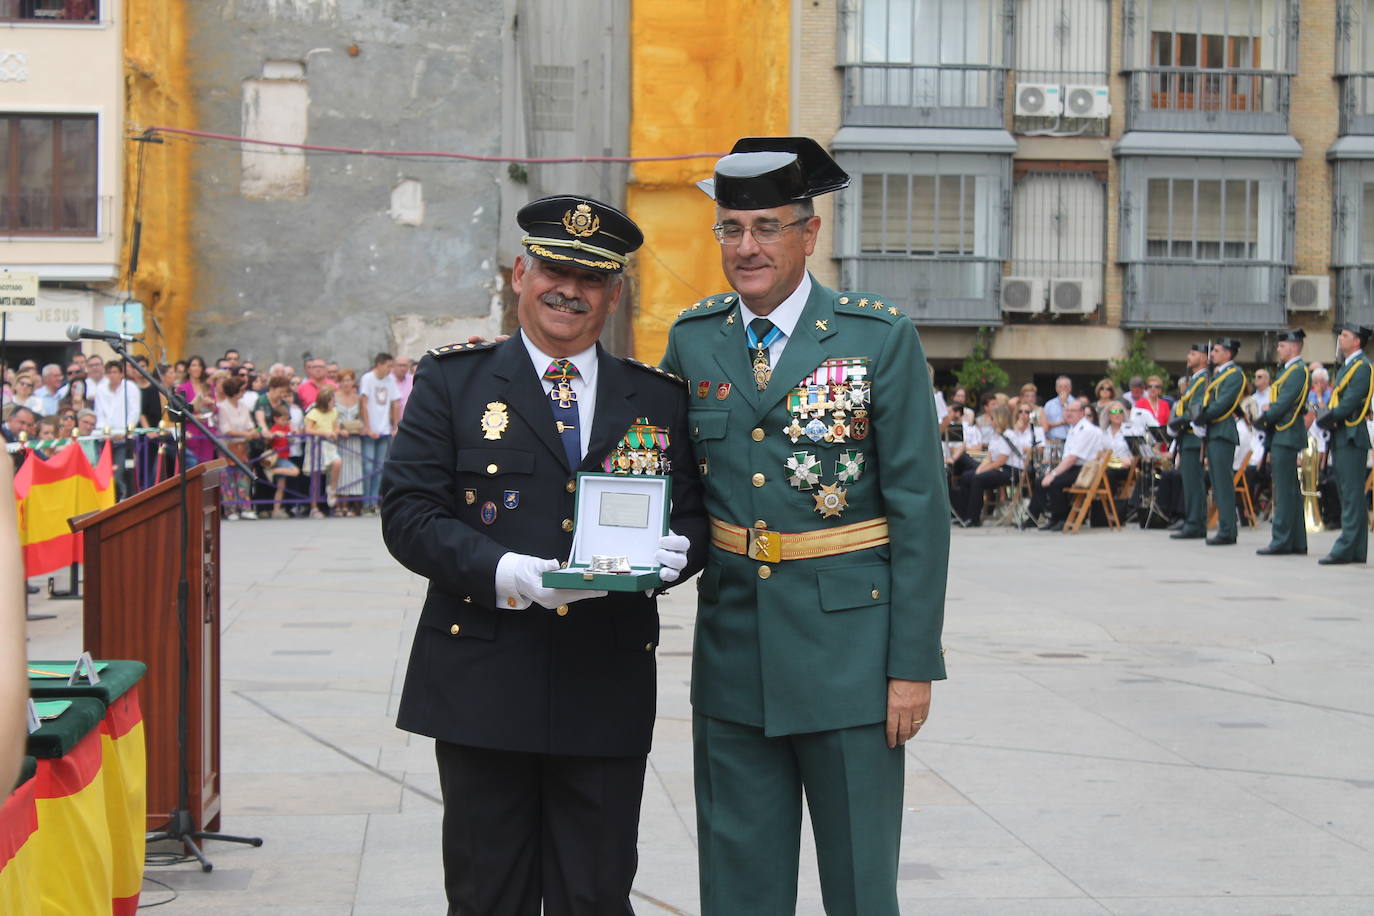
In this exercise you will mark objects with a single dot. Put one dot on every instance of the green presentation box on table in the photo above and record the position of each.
(622, 515)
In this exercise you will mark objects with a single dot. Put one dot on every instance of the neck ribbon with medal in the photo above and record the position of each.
(642, 450)
(763, 370)
(829, 406)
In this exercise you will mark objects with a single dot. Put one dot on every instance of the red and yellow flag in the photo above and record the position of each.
(19, 894)
(52, 491)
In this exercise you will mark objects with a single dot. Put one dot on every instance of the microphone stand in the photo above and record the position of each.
(180, 825)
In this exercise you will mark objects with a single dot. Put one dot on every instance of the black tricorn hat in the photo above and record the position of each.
(1292, 335)
(1229, 343)
(578, 232)
(765, 172)
(1359, 330)
(1201, 348)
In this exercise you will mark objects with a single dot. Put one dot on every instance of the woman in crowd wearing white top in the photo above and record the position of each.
(234, 423)
(1114, 433)
(1003, 465)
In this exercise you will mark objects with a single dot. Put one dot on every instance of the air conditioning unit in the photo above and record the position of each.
(1309, 293)
(1038, 100)
(1086, 102)
(1072, 296)
(1025, 295)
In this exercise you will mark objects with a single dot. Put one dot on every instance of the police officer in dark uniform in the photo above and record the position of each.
(541, 700)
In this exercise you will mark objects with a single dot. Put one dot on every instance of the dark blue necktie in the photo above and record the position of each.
(564, 401)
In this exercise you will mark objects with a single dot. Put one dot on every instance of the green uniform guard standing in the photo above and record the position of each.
(1287, 435)
(821, 604)
(1350, 394)
(1220, 400)
(1187, 408)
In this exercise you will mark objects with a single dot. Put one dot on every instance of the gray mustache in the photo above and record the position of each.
(577, 305)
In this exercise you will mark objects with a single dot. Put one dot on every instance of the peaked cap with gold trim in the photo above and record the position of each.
(578, 232)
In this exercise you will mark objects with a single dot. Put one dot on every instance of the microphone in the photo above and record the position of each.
(77, 332)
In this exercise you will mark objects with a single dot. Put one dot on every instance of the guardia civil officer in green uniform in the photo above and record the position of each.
(1349, 408)
(1287, 435)
(1220, 401)
(821, 604)
(1186, 410)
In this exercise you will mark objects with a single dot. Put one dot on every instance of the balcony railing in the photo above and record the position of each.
(906, 95)
(1357, 103)
(1355, 295)
(944, 291)
(1223, 101)
(49, 11)
(1186, 294)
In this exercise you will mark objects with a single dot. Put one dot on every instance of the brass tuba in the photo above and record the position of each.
(1309, 475)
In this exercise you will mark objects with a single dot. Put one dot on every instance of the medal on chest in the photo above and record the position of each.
(642, 450)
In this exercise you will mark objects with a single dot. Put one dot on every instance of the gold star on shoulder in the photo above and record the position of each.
(894, 311)
(879, 306)
(710, 303)
(863, 303)
(695, 306)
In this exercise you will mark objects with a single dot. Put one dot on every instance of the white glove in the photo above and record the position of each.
(671, 556)
(519, 584)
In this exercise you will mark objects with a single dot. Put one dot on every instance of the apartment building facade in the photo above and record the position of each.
(1070, 171)
(61, 164)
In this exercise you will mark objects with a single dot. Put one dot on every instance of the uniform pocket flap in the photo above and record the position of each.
(493, 462)
(458, 618)
(843, 588)
(708, 424)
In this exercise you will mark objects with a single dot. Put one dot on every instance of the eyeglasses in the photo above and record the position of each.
(1024, 413)
(765, 234)
(1115, 410)
(1156, 387)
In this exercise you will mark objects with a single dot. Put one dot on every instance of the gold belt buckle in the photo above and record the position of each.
(765, 545)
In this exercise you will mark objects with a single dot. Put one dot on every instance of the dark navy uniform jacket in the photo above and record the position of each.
(578, 680)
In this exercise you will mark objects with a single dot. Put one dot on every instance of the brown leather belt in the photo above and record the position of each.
(775, 546)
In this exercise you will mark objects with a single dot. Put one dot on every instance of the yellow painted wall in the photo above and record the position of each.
(158, 92)
(703, 75)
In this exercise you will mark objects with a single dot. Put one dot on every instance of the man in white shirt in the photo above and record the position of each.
(378, 393)
(49, 392)
(1083, 444)
(117, 405)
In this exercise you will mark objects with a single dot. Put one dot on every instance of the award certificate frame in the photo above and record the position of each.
(616, 515)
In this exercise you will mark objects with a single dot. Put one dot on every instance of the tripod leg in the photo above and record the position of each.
(227, 838)
(192, 849)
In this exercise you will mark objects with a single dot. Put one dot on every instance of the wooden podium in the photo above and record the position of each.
(130, 611)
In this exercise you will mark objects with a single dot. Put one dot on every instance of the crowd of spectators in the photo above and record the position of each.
(1014, 436)
(316, 442)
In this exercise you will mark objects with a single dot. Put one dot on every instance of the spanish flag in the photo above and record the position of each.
(73, 854)
(50, 492)
(126, 797)
(19, 893)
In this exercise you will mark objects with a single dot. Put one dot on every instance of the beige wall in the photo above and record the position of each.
(77, 69)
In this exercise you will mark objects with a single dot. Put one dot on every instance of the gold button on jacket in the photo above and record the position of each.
(567, 524)
(759, 480)
(455, 629)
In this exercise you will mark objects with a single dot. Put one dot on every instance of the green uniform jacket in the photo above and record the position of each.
(809, 644)
(1185, 404)
(1351, 404)
(1220, 399)
(1287, 404)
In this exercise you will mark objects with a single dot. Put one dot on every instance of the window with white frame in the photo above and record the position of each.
(48, 174)
(924, 53)
(1355, 63)
(1062, 41)
(928, 205)
(1203, 219)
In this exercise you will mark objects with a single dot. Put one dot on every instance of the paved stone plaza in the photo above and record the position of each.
(1132, 725)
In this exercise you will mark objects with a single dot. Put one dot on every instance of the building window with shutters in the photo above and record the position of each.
(924, 63)
(1058, 241)
(48, 180)
(1209, 65)
(1205, 242)
(926, 230)
(1062, 63)
(1355, 64)
(1353, 244)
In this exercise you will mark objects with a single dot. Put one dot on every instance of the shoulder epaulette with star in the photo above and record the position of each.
(450, 349)
(656, 370)
(712, 305)
(864, 304)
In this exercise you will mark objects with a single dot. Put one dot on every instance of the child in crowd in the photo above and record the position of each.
(277, 461)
